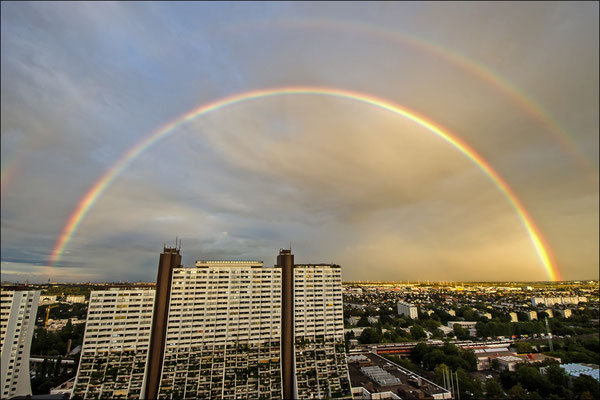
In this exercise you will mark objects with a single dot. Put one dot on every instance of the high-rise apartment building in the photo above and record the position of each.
(408, 310)
(223, 332)
(321, 370)
(230, 329)
(18, 309)
(115, 344)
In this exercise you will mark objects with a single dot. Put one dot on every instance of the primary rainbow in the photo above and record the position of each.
(516, 95)
(103, 183)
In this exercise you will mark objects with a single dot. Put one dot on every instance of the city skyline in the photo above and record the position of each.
(403, 141)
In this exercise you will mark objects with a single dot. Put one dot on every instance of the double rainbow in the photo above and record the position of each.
(112, 173)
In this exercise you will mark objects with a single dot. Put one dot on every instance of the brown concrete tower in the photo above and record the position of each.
(285, 261)
(169, 259)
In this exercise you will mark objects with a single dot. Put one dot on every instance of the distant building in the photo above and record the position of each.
(486, 315)
(373, 319)
(513, 317)
(408, 310)
(75, 299)
(58, 324)
(445, 329)
(353, 320)
(549, 312)
(576, 370)
(550, 301)
(374, 377)
(468, 325)
(45, 300)
(510, 362)
(531, 315)
(452, 312)
(18, 309)
(565, 313)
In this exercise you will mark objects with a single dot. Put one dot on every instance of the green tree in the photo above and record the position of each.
(370, 336)
(493, 390)
(557, 376)
(531, 379)
(517, 393)
(586, 396)
(418, 353)
(495, 364)
(585, 383)
(460, 332)
(417, 332)
(523, 347)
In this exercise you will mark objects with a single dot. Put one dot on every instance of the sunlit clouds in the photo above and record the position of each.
(342, 181)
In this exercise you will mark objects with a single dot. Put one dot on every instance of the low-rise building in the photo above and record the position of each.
(513, 317)
(485, 314)
(58, 324)
(575, 370)
(566, 313)
(468, 325)
(510, 362)
(374, 377)
(75, 299)
(46, 299)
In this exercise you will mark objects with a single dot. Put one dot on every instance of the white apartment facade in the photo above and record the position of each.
(223, 332)
(222, 337)
(408, 310)
(320, 357)
(18, 309)
(115, 344)
(550, 301)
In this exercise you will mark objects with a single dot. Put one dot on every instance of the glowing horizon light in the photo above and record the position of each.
(129, 156)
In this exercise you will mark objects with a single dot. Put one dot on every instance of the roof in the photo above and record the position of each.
(575, 369)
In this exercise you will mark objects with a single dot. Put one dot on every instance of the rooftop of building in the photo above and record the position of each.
(377, 374)
(576, 369)
(229, 262)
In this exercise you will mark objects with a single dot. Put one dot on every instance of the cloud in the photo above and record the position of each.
(343, 181)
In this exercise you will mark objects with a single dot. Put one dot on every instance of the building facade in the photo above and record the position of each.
(223, 332)
(220, 330)
(321, 370)
(115, 344)
(408, 310)
(75, 299)
(18, 309)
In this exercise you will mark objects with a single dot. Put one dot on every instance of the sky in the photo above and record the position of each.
(341, 180)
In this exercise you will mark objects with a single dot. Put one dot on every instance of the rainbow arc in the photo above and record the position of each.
(101, 185)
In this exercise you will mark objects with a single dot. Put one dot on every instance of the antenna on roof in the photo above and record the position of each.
(290, 246)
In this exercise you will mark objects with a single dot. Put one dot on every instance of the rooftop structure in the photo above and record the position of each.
(576, 370)
(376, 374)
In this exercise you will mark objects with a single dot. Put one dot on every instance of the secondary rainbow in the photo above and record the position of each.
(522, 100)
(128, 157)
